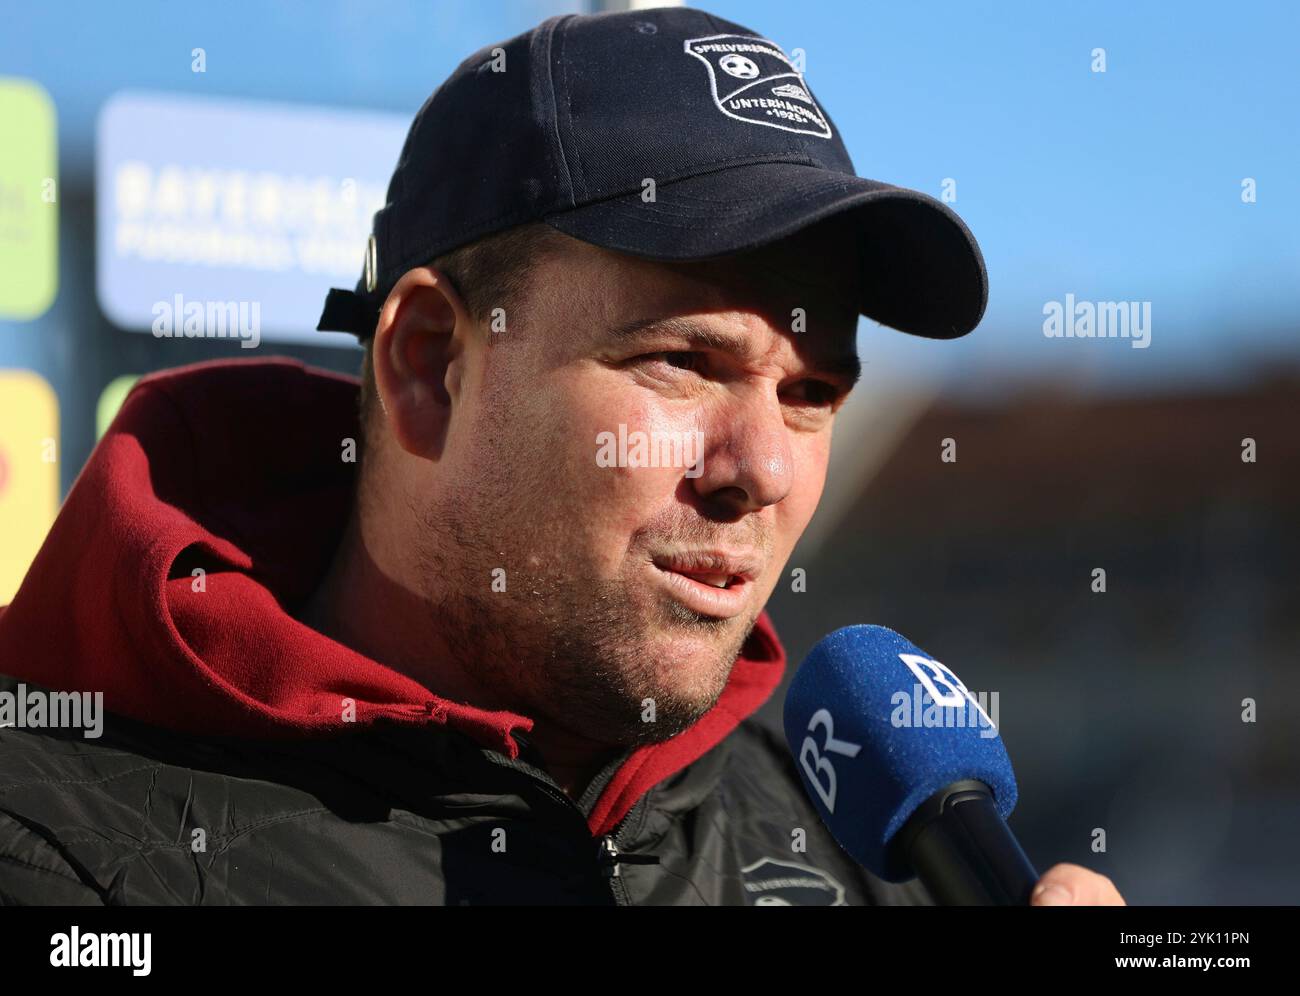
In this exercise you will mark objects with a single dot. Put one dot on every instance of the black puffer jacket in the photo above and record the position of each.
(226, 772)
(400, 816)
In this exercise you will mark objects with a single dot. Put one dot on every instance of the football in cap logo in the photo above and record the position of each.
(753, 81)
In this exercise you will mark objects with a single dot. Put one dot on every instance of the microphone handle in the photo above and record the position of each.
(964, 852)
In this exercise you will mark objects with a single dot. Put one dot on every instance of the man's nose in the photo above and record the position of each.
(748, 462)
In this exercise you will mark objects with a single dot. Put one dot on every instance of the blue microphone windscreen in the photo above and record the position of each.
(877, 726)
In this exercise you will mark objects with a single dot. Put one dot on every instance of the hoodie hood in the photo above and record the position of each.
(214, 500)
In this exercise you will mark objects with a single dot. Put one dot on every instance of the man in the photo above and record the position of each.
(609, 313)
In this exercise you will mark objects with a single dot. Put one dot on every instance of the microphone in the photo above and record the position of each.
(906, 768)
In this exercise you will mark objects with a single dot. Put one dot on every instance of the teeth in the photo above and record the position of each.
(713, 580)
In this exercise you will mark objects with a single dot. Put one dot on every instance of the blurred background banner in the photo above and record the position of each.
(1089, 505)
(252, 203)
(29, 217)
(29, 472)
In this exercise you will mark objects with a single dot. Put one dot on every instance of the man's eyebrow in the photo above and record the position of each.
(677, 325)
(847, 365)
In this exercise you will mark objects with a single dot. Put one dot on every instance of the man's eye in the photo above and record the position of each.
(679, 360)
(815, 392)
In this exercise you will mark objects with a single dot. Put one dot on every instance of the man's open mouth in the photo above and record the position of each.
(714, 580)
(711, 584)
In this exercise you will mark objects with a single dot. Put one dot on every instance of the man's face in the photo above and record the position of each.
(643, 435)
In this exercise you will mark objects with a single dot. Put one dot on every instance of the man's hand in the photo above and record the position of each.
(1074, 885)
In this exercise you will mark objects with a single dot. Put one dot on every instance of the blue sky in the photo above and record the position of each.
(1116, 186)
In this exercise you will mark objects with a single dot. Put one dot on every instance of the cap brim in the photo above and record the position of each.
(922, 273)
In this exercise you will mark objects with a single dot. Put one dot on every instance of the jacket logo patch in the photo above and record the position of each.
(753, 81)
(772, 882)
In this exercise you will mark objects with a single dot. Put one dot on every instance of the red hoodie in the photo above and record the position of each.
(234, 466)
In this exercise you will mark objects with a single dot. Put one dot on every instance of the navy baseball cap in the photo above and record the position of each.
(669, 134)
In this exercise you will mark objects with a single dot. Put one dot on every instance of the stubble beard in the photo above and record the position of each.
(572, 651)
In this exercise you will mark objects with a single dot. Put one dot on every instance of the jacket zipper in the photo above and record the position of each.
(608, 855)
(609, 858)
(612, 858)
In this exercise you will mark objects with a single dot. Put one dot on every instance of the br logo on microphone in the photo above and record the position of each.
(814, 762)
(931, 674)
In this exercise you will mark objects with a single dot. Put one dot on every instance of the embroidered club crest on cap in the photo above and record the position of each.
(754, 81)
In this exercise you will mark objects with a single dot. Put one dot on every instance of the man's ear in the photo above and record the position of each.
(418, 356)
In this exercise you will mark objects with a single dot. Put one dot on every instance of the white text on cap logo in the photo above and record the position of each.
(753, 81)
